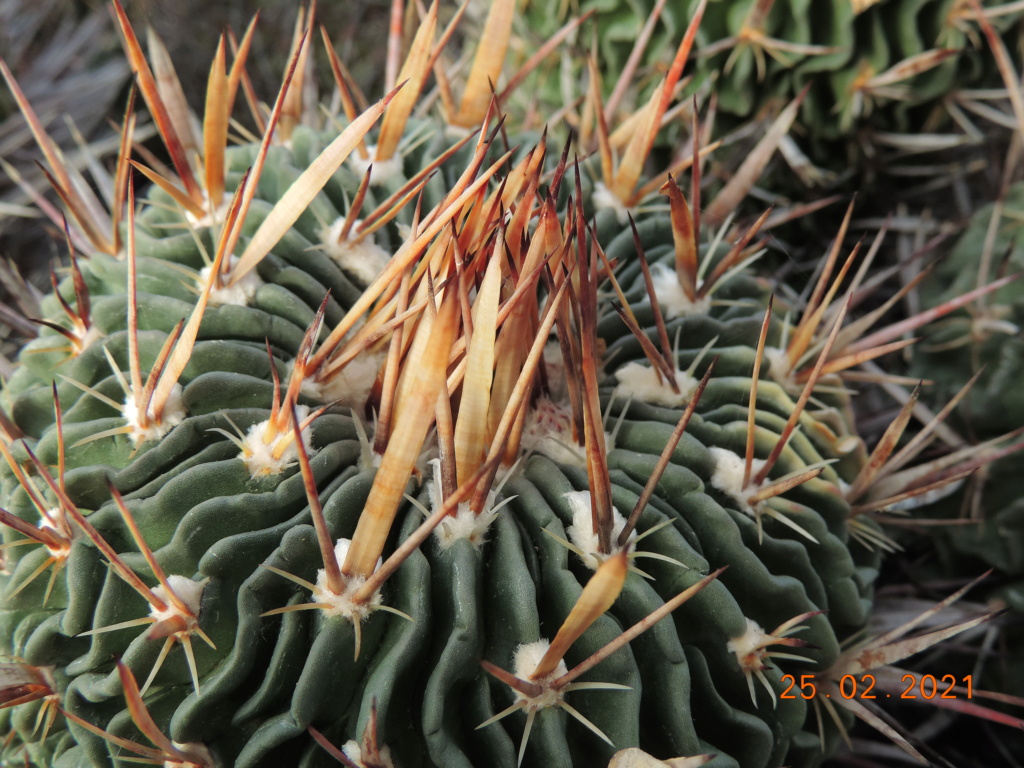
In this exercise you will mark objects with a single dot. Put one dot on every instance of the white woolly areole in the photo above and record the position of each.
(671, 296)
(344, 604)
(779, 368)
(464, 524)
(258, 455)
(641, 382)
(187, 591)
(605, 199)
(355, 753)
(239, 294)
(351, 386)
(750, 647)
(459, 132)
(637, 758)
(63, 549)
(525, 660)
(194, 749)
(209, 218)
(85, 340)
(174, 413)
(383, 170)
(728, 476)
(361, 258)
(582, 534)
(548, 431)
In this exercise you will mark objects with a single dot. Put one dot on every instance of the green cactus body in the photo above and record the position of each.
(184, 561)
(836, 46)
(212, 524)
(983, 339)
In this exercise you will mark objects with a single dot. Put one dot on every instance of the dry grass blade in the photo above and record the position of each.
(182, 199)
(805, 395)
(880, 455)
(922, 318)
(736, 255)
(755, 377)
(662, 365)
(402, 258)
(183, 348)
(342, 79)
(411, 544)
(140, 714)
(169, 86)
(540, 54)
(335, 582)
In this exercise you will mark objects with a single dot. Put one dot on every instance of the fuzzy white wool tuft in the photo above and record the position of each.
(209, 219)
(239, 294)
(355, 753)
(750, 647)
(605, 199)
(671, 296)
(463, 524)
(187, 591)
(582, 534)
(198, 754)
(173, 414)
(351, 386)
(343, 604)
(258, 455)
(779, 368)
(361, 258)
(383, 170)
(525, 660)
(641, 382)
(728, 476)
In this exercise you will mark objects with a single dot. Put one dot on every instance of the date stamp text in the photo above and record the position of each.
(863, 687)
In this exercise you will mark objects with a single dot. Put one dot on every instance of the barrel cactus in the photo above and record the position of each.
(364, 462)
(890, 67)
(981, 345)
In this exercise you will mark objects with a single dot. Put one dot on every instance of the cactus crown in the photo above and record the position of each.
(430, 451)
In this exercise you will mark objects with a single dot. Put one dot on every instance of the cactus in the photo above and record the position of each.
(888, 67)
(982, 342)
(575, 525)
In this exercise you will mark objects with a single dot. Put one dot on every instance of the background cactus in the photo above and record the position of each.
(879, 74)
(229, 568)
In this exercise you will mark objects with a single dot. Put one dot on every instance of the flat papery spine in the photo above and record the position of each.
(601, 591)
(403, 449)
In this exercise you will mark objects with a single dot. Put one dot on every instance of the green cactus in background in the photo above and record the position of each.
(982, 343)
(888, 66)
(327, 443)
